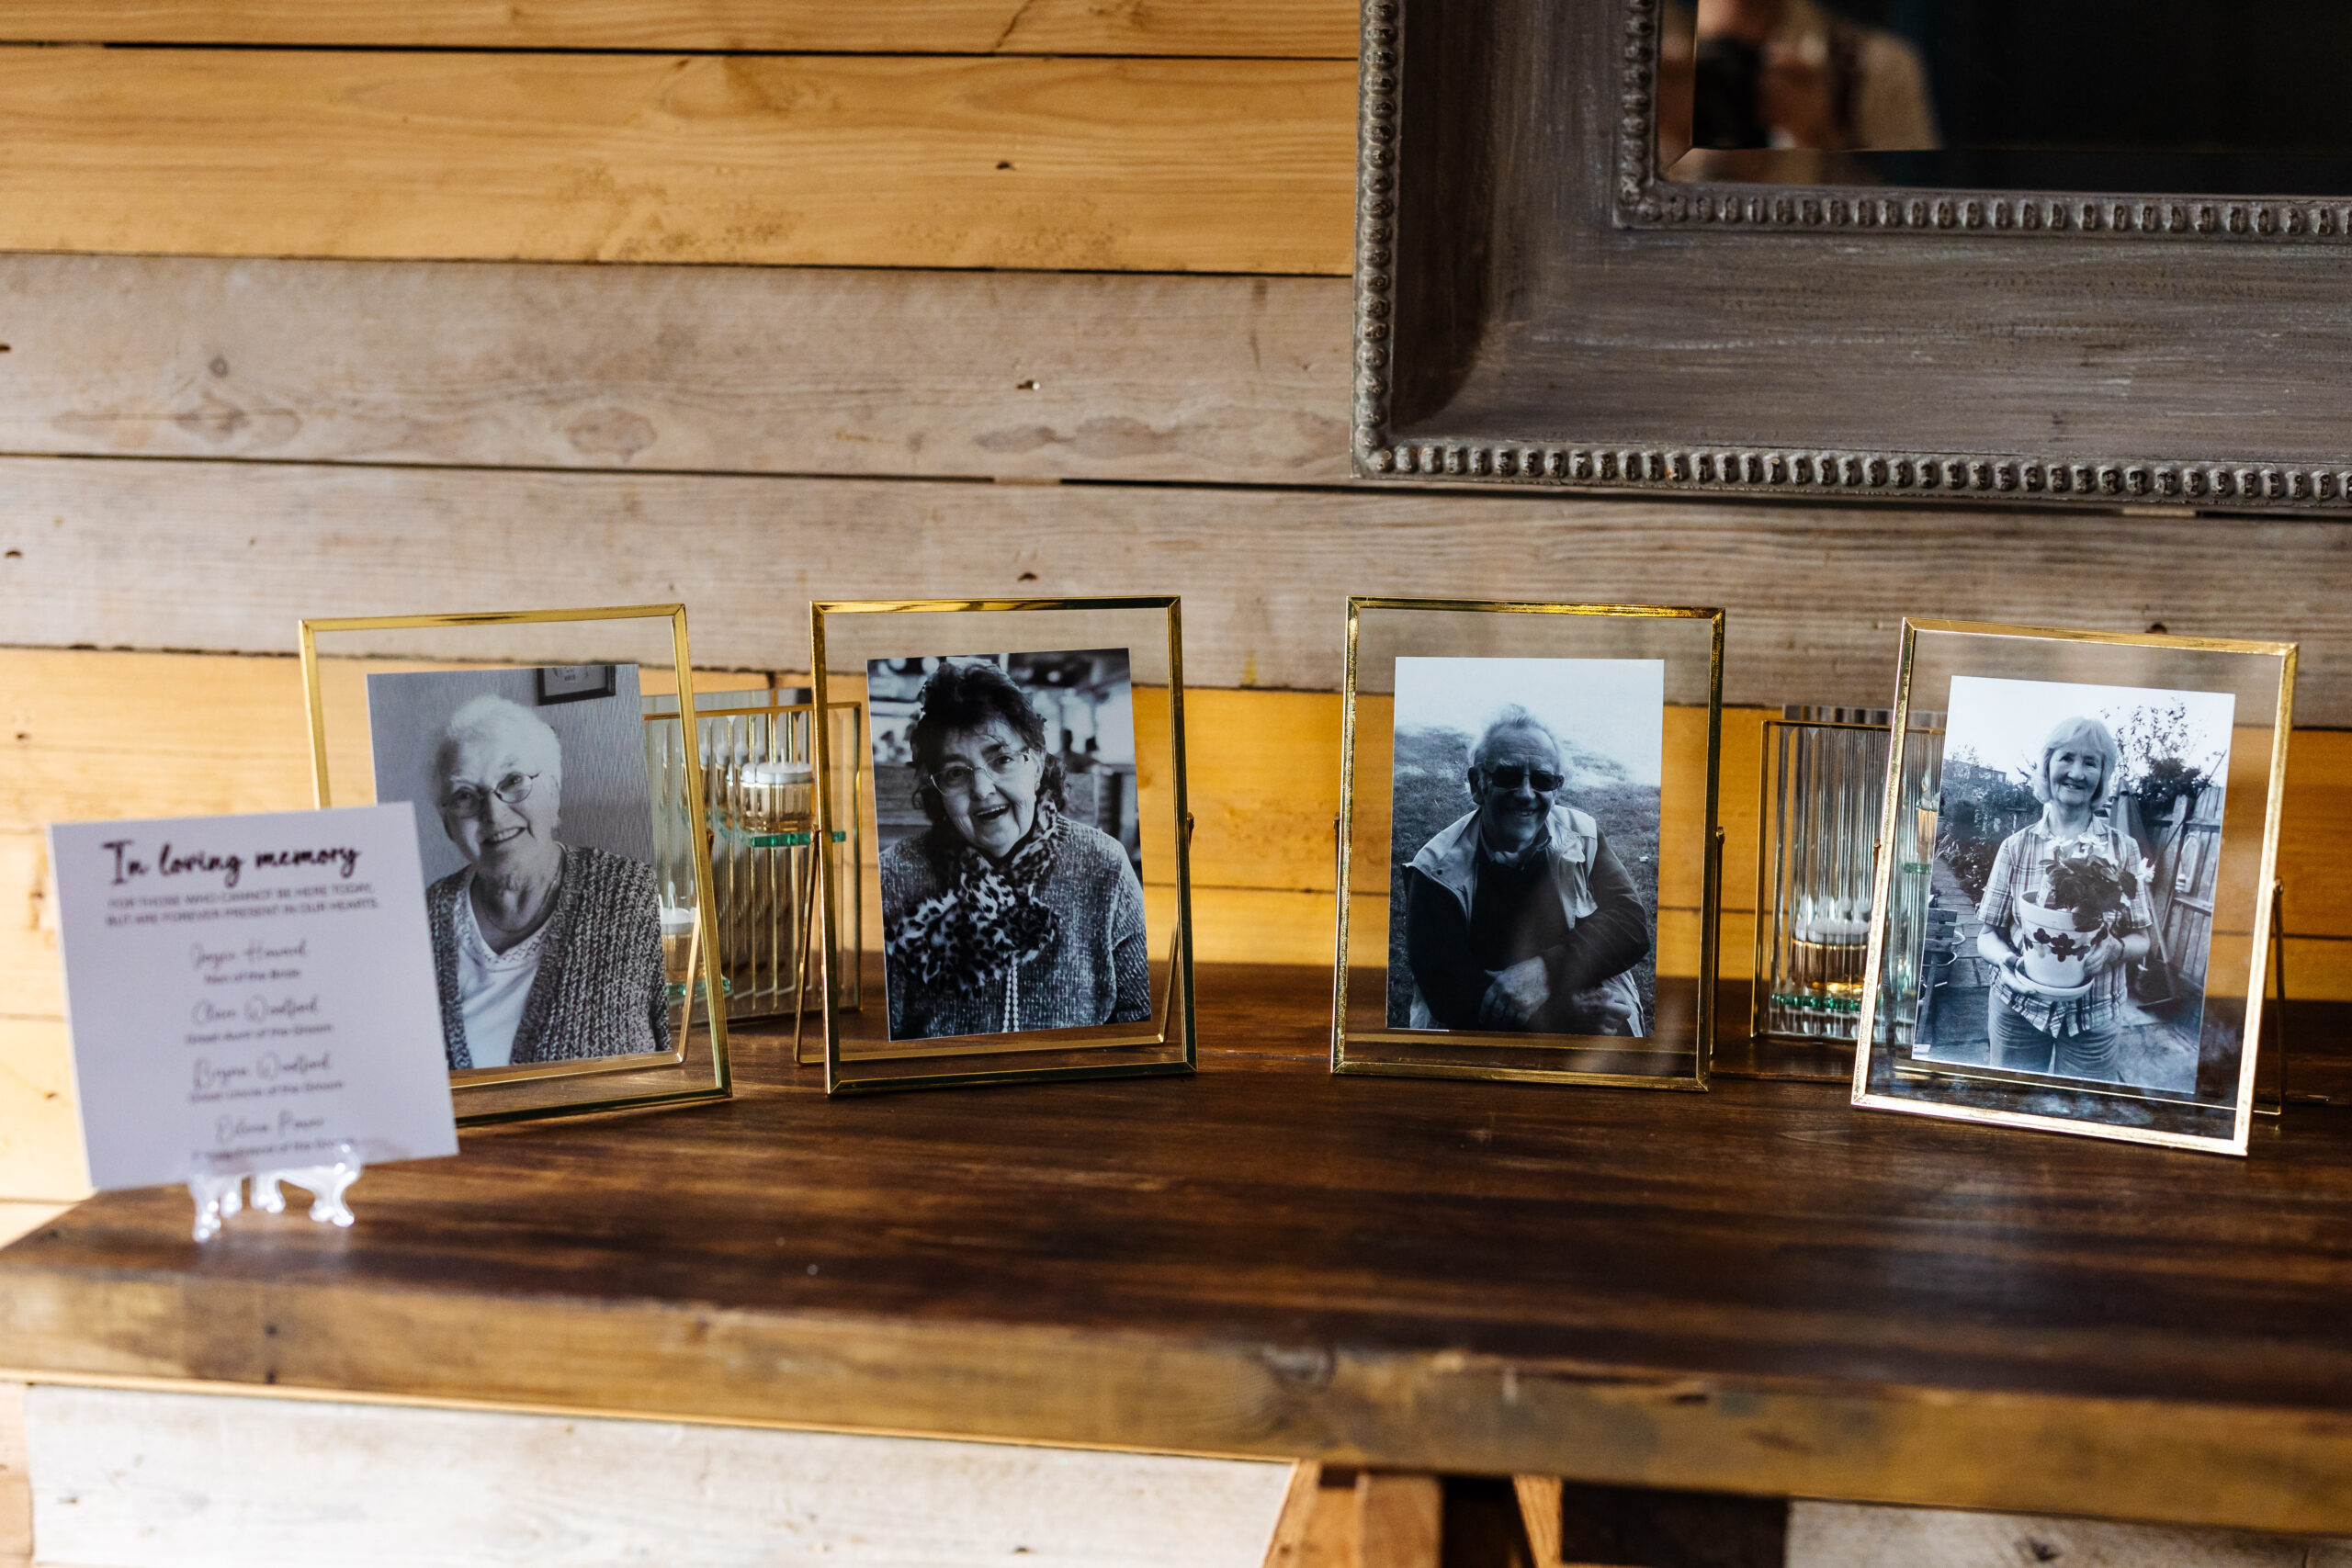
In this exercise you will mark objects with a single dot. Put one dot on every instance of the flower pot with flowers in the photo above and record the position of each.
(2087, 894)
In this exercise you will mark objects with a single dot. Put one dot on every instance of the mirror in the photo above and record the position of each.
(2220, 97)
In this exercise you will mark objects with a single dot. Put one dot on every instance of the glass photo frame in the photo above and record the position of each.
(1530, 869)
(2083, 946)
(1026, 883)
(564, 834)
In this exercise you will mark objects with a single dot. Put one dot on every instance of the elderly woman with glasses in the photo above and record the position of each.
(2078, 1033)
(1520, 918)
(544, 952)
(1004, 914)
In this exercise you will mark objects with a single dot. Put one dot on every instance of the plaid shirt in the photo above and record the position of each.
(2022, 871)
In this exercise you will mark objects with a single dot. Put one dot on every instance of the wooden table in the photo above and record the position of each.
(1755, 1289)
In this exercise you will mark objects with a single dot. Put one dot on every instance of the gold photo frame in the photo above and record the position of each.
(1027, 784)
(1629, 700)
(2073, 933)
(393, 700)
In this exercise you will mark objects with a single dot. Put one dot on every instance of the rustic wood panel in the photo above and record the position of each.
(136, 1480)
(16, 1486)
(742, 369)
(1297, 28)
(1165, 165)
(1267, 1260)
(229, 555)
(40, 1136)
(1841, 1535)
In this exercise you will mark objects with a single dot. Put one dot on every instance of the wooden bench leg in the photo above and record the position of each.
(1539, 1513)
(1378, 1519)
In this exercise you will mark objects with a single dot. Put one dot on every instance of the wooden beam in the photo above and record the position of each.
(1264, 28)
(226, 557)
(1168, 165)
(888, 374)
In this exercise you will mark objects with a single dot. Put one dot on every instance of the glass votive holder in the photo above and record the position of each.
(776, 798)
(1824, 781)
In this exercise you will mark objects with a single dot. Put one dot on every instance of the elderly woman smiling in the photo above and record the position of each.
(1004, 914)
(544, 952)
(2077, 1034)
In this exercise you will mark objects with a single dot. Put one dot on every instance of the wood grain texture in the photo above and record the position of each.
(1167, 165)
(41, 1135)
(881, 373)
(1303, 29)
(1840, 1534)
(1399, 1520)
(136, 1480)
(1292, 1543)
(229, 555)
(1755, 1289)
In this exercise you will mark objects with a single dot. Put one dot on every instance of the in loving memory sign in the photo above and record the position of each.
(247, 992)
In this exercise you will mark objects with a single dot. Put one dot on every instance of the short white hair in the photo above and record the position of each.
(1512, 717)
(2081, 734)
(537, 745)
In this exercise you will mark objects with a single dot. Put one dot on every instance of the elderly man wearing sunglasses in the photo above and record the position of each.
(1520, 918)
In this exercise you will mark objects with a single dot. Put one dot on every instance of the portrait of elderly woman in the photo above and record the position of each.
(2072, 1028)
(1518, 913)
(547, 947)
(2076, 875)
(1004, 909)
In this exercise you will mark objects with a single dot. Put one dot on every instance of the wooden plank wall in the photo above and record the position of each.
(309, 315)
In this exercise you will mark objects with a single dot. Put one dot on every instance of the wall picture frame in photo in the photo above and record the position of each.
(1028, 888)
(1539, 782)
(565, 840)
(2082, 942)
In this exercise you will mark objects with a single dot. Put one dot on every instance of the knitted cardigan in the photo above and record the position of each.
(1097, 971)
(600, 989)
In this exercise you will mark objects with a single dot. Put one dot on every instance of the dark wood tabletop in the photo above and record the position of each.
(1757, 1289)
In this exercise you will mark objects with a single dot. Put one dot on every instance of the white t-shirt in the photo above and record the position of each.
(492, 987)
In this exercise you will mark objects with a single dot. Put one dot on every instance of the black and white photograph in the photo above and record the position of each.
(1012, 861)
(2077, 847)
(1524, 845)
(535, 815)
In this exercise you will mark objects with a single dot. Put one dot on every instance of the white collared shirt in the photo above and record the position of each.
(492, 987)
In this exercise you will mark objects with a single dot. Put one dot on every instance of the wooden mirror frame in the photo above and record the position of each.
(1536, 305)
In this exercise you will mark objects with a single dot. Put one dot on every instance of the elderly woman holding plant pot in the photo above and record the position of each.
(1005, 914)
(2065, 910)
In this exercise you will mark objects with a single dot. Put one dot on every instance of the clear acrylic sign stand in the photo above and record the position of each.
(219, 1195)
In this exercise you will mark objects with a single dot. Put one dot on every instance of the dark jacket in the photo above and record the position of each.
(600, 989)
(1572, 905)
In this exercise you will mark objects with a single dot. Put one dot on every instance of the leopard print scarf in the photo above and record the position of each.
(990, 918)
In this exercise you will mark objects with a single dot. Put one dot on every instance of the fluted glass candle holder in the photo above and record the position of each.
(1823, 781)
(757, 751)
